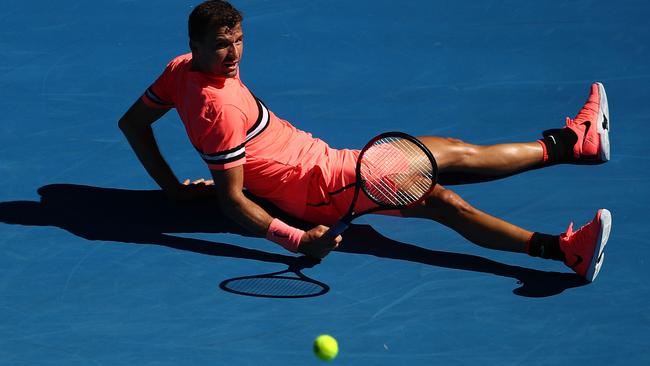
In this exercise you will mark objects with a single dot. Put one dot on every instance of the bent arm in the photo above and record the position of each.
(236, 205)
(136, 126)
(254, 218)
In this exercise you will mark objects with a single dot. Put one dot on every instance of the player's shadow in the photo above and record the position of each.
(147, 217)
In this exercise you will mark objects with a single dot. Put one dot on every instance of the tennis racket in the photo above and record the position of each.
(395, 170)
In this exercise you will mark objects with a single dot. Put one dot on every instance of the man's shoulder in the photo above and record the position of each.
(181, 62)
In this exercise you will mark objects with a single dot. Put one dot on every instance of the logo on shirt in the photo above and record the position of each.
(276, 233)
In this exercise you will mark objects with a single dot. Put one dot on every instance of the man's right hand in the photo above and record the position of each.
(317, 245)
(190, 191)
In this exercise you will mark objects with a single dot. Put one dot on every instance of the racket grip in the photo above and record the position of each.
(337, 229)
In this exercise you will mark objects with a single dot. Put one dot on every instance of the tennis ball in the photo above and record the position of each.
(325, 347)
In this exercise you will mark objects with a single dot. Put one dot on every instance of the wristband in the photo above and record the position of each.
(285, 235)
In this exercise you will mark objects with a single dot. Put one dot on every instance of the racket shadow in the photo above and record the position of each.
(290, 283)
(146, 217)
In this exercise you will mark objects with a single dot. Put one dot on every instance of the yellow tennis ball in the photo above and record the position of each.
(325, 347)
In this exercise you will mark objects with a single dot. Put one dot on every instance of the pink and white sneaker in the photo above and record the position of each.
(583, 249)
(592, 127)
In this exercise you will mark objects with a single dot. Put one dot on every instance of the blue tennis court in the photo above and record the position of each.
(98, 268)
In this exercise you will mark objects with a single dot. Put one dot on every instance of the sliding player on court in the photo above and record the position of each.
(245, 145)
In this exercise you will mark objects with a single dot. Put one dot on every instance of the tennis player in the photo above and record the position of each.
(245, 145)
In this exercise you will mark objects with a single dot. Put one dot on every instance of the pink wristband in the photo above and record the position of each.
(285, 235)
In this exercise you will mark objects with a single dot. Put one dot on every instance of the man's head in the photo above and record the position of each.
(216, 38)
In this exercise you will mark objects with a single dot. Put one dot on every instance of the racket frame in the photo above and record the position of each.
(345, 221)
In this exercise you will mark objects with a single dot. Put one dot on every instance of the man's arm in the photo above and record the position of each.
(236, 205)
(252, 217)
(136, 126)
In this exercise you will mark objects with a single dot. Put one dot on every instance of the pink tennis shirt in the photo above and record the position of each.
(230, 127)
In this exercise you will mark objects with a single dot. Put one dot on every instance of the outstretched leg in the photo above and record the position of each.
(584, 139)
(582, 250)
(453, 155)
(448, 208)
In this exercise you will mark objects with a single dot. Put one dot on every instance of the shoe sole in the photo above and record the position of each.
(603, 235)
(603, 124)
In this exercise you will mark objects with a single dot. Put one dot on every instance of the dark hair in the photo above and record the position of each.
(212, 14)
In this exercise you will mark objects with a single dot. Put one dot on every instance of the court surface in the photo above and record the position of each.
(96, 268)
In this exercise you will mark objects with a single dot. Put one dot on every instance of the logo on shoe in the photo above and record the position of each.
(588, 125)
(605, 123)
(577, 262)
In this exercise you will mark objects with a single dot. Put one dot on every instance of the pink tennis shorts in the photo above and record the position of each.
(331, 190)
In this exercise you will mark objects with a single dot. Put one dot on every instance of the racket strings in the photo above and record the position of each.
(420, 164)
(375, 175)
(396, 171)
(378, 184)
(274, 286)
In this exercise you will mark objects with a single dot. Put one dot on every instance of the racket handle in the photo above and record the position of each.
(337, 229)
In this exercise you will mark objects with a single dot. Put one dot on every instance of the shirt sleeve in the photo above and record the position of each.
(160, 94)
(222, 137)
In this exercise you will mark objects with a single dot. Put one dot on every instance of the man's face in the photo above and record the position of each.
(219, 53)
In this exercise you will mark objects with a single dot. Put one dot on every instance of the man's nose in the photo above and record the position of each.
(233, 52)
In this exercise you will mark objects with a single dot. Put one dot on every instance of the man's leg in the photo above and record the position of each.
(448, 208)
(582, 250)
(453, 155)
(584, 139)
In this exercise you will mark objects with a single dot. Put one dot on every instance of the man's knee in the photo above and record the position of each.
(452, 152)
(445, 201)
